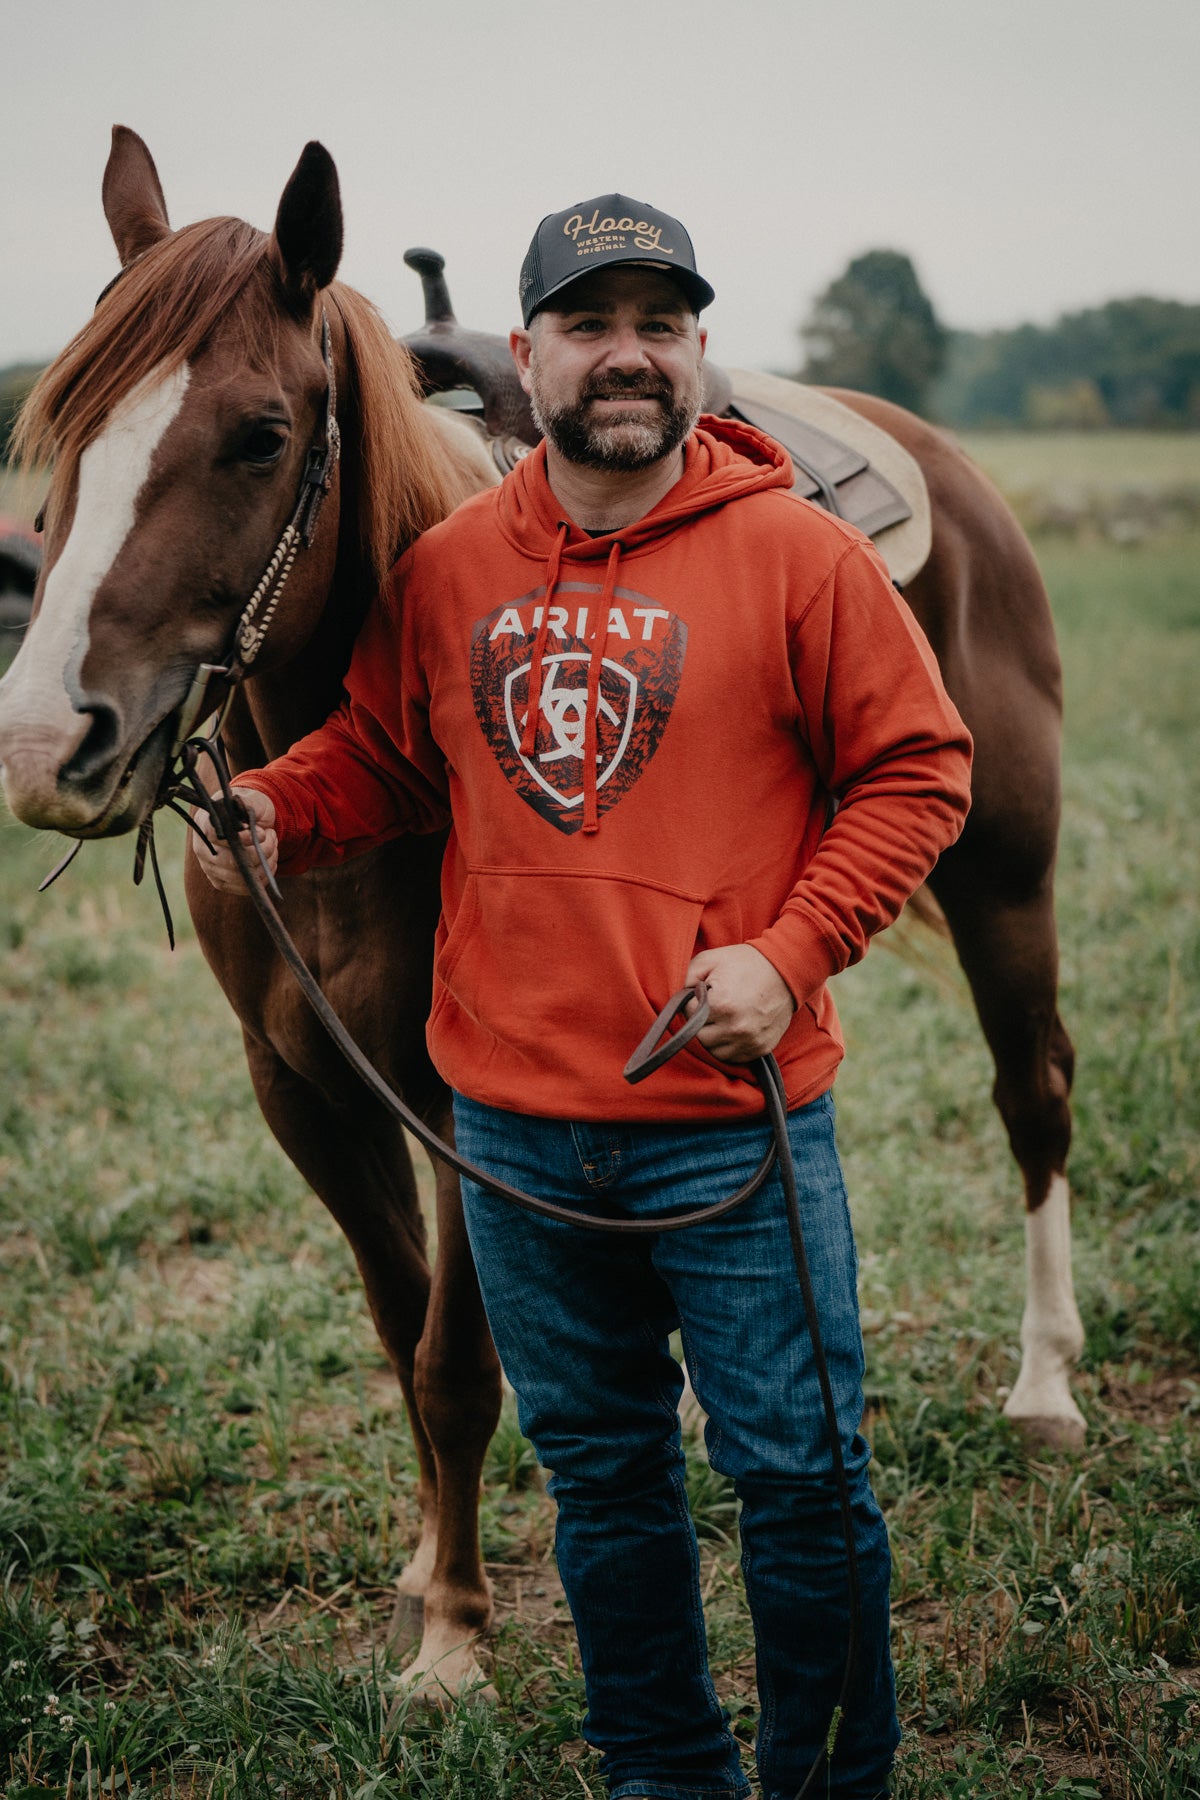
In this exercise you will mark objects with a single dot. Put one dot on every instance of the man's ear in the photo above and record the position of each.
(702, 334)
(521, 345)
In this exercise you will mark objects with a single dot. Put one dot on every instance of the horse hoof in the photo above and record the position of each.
(1042, 1432)
(454, 1680)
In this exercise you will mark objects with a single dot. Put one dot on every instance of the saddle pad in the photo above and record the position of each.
(878, 485)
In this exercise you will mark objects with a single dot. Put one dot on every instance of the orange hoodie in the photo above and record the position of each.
(738, 734)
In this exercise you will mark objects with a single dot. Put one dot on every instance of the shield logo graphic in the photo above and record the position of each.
(563, 708)
(639, 678)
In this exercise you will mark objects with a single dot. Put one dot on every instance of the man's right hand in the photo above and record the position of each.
(221, 869)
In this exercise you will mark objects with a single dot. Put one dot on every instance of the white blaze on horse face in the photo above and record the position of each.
(1051, 1330)
(38, 720)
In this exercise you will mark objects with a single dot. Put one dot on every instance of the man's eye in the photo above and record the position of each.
(263, 445)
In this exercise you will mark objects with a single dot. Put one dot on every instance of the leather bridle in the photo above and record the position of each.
(250, 632)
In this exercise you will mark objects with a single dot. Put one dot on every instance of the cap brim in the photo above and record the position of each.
(694, 286)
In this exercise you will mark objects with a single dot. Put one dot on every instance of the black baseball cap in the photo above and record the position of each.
(598, 233)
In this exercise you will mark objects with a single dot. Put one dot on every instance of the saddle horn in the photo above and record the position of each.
(429, 265)
(449, 356)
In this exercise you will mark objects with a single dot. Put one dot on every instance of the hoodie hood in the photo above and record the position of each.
(723, 460)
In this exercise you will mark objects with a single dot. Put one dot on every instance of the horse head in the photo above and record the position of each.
(180, 420)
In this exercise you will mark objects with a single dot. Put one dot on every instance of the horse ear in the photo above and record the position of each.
(133, 196)
(307, 245)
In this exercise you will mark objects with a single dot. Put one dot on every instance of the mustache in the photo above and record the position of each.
(628, 387)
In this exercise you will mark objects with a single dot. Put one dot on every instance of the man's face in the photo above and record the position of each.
(615, 381)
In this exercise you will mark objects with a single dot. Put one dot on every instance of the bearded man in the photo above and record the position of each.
(683, 730)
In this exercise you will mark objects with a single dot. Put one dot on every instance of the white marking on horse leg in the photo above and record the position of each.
(40, 727)
(415, 1577)
(444, 1670)
(1051, 1330)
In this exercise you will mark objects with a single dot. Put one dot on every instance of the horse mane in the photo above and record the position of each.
(411, 474)
(218, 275)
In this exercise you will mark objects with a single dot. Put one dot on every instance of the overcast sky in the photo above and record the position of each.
(1032, 156)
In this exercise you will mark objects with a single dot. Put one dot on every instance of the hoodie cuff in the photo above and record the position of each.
(801, 953)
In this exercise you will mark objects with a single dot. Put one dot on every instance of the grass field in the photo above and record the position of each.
(1123, 486)
(1104, 460)
(205, 1479)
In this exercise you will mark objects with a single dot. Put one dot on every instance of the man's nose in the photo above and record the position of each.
(626, 349)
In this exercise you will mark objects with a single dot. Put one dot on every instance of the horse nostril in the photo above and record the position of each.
(94, 755)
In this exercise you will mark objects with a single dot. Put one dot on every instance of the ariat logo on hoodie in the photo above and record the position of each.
(639, 661)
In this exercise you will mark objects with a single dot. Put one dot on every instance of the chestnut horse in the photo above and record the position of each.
(180, 420)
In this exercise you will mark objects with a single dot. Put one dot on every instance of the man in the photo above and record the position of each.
(636, 677)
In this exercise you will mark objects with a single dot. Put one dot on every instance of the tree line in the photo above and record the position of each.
(1132, 362)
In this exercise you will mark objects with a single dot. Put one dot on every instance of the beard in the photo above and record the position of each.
(619, 441)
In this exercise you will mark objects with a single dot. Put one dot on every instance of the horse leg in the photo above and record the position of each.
(357, 1161)
(458, 1393)
(1007, 945)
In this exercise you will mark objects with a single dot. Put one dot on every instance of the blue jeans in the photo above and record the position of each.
(581, 1322)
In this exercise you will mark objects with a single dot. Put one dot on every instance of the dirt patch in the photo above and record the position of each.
(22, 1246)
(201, 1282)
(530, 1595)
(1158, 1400)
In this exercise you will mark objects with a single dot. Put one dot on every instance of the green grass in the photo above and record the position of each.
(1125, 486)
(206, 1484)
(1020, 461)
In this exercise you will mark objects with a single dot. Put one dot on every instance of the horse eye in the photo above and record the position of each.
(263, 445)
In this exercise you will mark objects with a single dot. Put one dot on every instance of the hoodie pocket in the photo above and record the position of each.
(553, 964)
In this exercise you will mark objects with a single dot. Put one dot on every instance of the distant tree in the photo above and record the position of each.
(874, 329)
(1076, 405)
(1130, 362)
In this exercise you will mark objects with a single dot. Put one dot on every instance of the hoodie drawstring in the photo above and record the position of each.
(598, 639)
(533, 703)
(591, 730)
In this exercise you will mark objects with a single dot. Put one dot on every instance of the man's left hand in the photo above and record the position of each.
(750, 1004)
